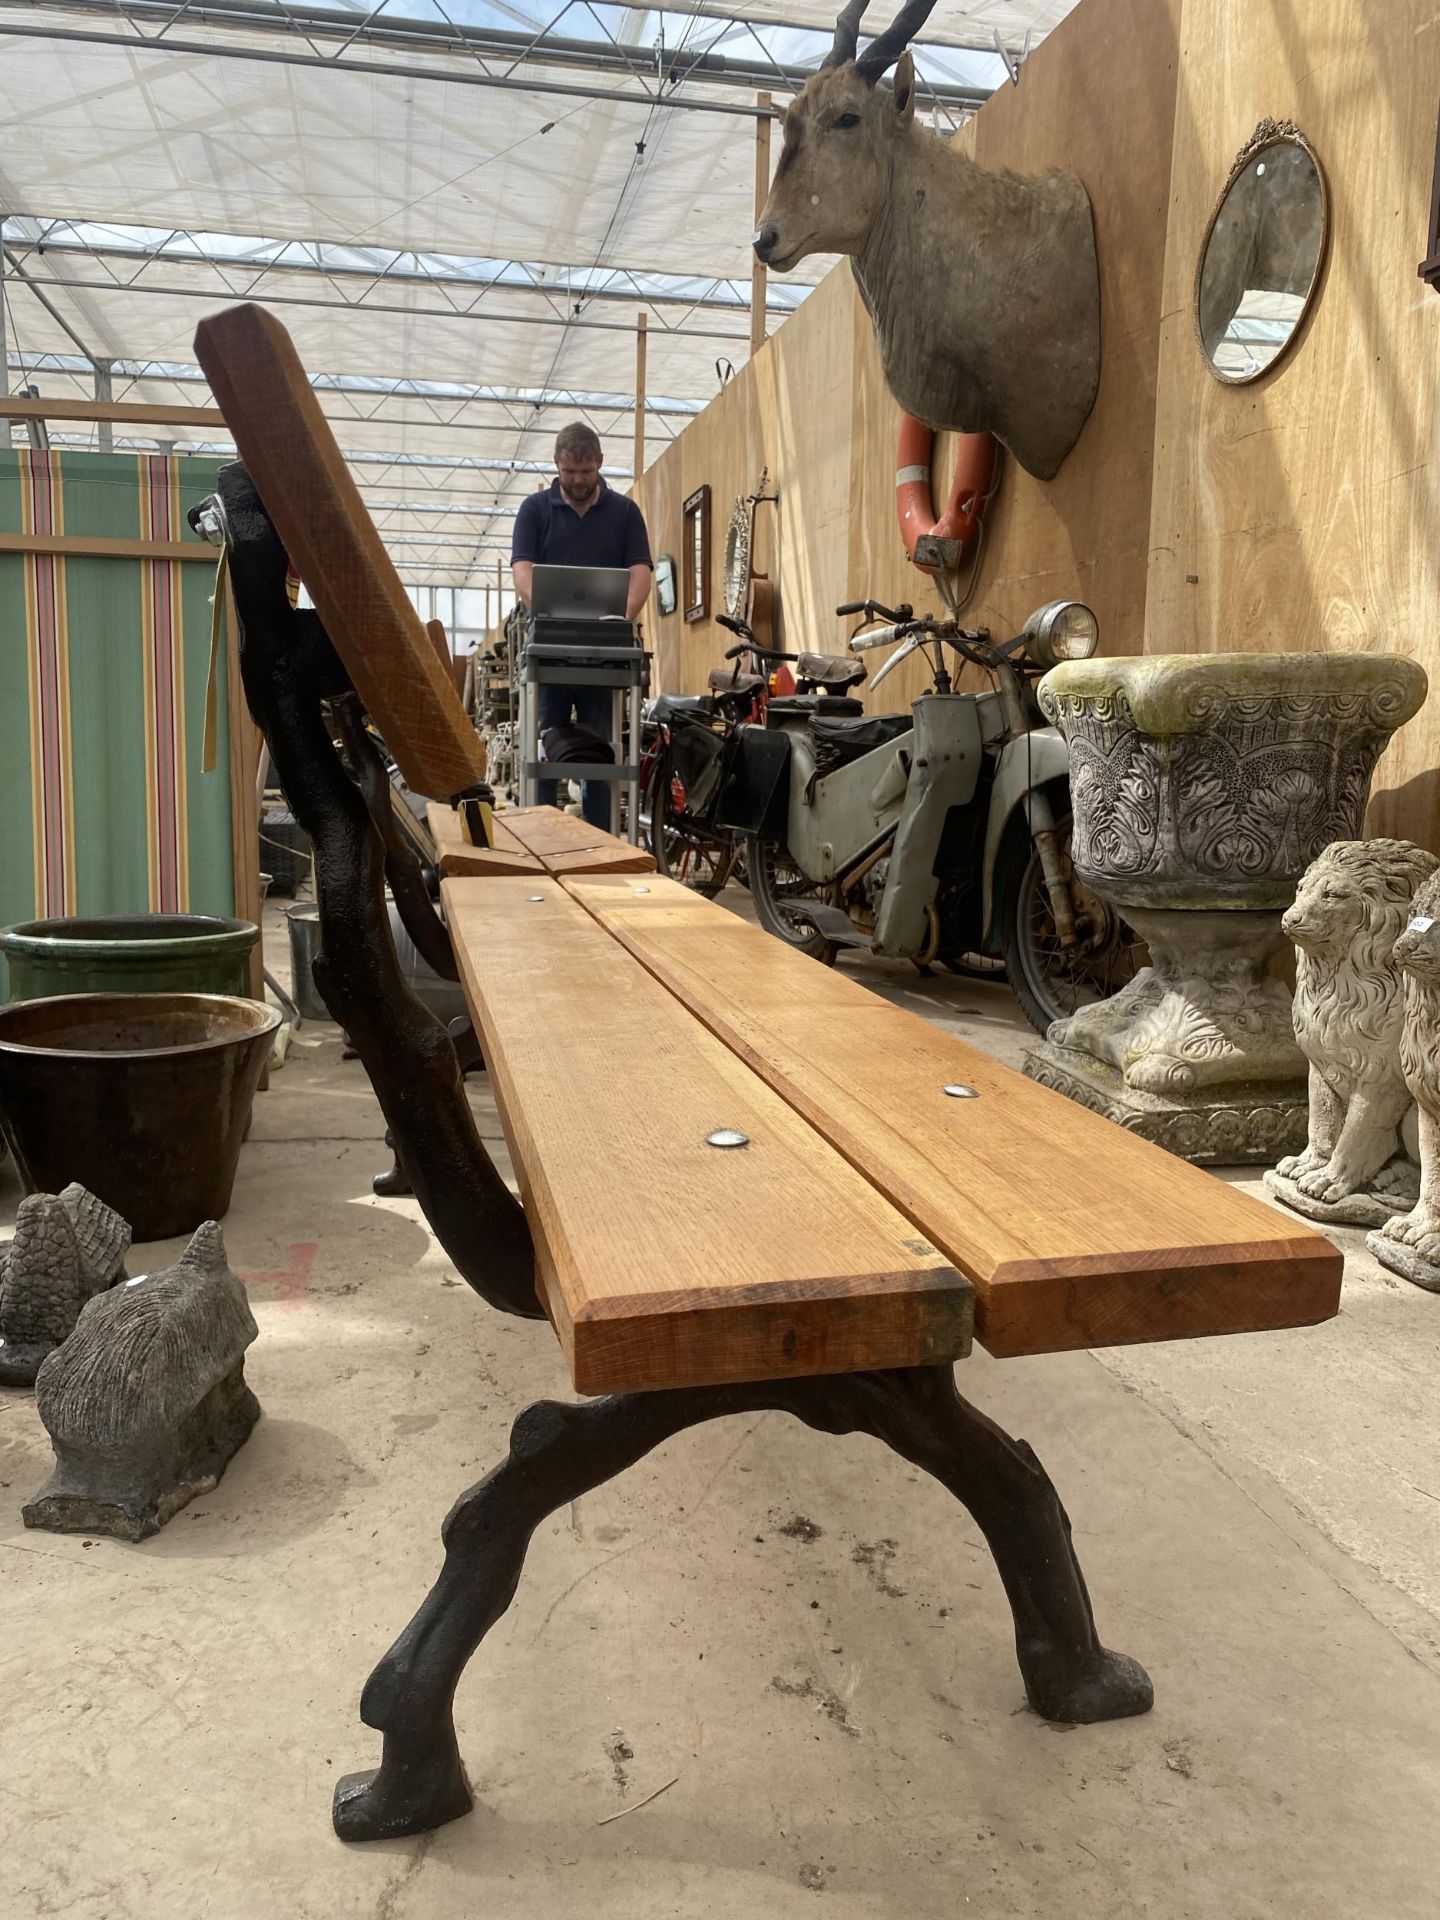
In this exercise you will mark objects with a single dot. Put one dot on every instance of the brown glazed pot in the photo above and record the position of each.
(142, 1098)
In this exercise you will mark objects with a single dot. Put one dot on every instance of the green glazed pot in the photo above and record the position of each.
(129, 953)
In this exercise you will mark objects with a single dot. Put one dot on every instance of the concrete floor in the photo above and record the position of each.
(835, 1701)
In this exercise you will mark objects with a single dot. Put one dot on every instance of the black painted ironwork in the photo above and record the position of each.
(558, 1452)
(290, 671)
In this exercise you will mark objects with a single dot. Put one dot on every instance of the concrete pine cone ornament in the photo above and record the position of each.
(1202, 788)
(146, 1402)
(68, 1246)
(1352, 907)
(1409, 1243)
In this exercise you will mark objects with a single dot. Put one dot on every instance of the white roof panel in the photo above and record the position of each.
(212, 130)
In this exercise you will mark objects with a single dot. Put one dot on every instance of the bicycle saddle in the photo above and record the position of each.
(832, 671)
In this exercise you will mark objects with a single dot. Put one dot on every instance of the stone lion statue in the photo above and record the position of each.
(1351, 908)
(1409, 1243)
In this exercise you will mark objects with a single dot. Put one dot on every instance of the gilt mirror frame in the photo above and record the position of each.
(1268, 133)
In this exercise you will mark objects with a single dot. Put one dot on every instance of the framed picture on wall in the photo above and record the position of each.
(665, 583)
(695, 554)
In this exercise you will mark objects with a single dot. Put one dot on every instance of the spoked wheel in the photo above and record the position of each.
(775, 881)
(1050, 983)
(684, 849)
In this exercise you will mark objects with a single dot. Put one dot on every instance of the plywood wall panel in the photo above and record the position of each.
(1299, 512)
(789, 410)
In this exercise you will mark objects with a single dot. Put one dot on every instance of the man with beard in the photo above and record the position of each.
(577, 521)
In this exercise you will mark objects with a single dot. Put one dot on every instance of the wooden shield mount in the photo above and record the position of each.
(300, 474)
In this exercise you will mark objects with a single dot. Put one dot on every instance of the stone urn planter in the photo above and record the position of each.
(1202, 787)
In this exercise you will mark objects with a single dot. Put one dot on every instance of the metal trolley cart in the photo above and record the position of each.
(567, 653)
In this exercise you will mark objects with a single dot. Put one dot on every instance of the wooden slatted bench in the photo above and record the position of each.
(833, 1265)
(895, 1187)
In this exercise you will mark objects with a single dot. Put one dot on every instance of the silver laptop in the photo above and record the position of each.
(581, 593)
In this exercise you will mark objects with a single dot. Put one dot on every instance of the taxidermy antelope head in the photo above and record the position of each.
(982, 285)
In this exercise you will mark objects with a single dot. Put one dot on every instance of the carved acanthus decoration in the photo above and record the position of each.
(1202, 786)
(1228, 772)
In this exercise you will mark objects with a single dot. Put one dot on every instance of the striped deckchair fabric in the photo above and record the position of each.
(103, 664)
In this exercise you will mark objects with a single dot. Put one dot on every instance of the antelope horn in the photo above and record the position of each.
(886, 48)
(847, 35)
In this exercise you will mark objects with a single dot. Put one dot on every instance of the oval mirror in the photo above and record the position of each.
(1263, 252)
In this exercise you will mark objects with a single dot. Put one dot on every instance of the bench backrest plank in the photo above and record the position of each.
(300, 474)
(1075, 1232)
(666, 1262)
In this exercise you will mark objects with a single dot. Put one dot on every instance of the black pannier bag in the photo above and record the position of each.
(755, 782)
(696, 753)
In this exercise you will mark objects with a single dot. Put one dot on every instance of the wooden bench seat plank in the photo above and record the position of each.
(301, 476)
(1075, 1232)
(549, 830)
(619, 859)
(457, 855)
(562, 841)
(547, 847)
(665, 1262)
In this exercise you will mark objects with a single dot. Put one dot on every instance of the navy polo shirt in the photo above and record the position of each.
(550, 533)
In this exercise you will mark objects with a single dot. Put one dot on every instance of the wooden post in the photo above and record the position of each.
(762, 194)
(639, 397)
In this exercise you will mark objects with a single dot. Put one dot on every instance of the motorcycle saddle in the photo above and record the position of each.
(812, 706)
(673, 706)
(832, 671)
(863, 735)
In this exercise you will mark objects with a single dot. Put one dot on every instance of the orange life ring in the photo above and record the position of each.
(974, 470)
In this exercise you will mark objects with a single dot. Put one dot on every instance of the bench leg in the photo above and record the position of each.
(1069, 1676)
(559, 1452)
(394, 1181)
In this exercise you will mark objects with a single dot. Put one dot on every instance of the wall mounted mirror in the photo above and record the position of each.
(1263, 253)
(695, 553)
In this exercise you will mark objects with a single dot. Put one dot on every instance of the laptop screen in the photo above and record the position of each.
(593, 593)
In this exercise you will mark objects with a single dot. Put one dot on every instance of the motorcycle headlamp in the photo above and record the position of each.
(1061, 630)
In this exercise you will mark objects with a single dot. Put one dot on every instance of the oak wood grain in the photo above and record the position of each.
(300, 474)
(550, 834)
(1075, 1232)
(561, 845)
(666, 1262)
(457, 855)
